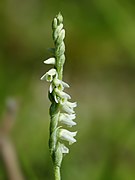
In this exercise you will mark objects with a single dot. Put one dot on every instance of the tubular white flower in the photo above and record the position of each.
(61, 110)
(50, 61)
(67, 119)
(61, 94)
(49, 75)
(60, 84)
(68, 106)
(67, 136)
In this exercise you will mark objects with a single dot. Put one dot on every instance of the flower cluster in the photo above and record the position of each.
(61, 110)
(67, 113)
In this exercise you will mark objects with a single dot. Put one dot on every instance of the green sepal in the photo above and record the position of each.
(51, 97)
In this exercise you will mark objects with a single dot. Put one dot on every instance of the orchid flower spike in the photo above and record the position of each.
(61, 110)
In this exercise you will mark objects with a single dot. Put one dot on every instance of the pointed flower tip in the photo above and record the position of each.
(72, 105)
(50, 61)
(43, 78)
(65, 84)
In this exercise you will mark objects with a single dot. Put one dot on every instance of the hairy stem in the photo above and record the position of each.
(57, 173)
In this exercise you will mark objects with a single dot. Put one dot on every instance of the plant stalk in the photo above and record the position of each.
(57, 173)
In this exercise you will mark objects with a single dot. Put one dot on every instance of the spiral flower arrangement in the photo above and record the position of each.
(61, 109)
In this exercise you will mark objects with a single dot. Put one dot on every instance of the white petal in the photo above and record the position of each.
(67, 109)
(50, 61)
(68, 122)
(67, 119)
(68, 116)
(74, 104)
(65, 95)
(64, 149)
(52, 72)
(51, 88)
(55, 98)
(60, 84)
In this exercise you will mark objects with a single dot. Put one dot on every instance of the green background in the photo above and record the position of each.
(100, 68)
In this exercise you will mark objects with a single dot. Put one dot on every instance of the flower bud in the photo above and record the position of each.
(60, 18)
(54, 23)
(50, 61)
(61, 36)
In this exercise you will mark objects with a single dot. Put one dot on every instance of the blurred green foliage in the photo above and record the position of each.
(100, 66)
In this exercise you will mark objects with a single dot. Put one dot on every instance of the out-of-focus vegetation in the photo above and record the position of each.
(100, 66)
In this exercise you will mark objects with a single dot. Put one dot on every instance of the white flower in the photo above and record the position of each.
(67, 119)
(64, 149)
(59, 84)
(50, 61)
(67, 136)
(49, 75)
(60, 94)
(68, 106)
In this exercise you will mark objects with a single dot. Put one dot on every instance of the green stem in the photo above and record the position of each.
(54, 113)
(57, 173)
